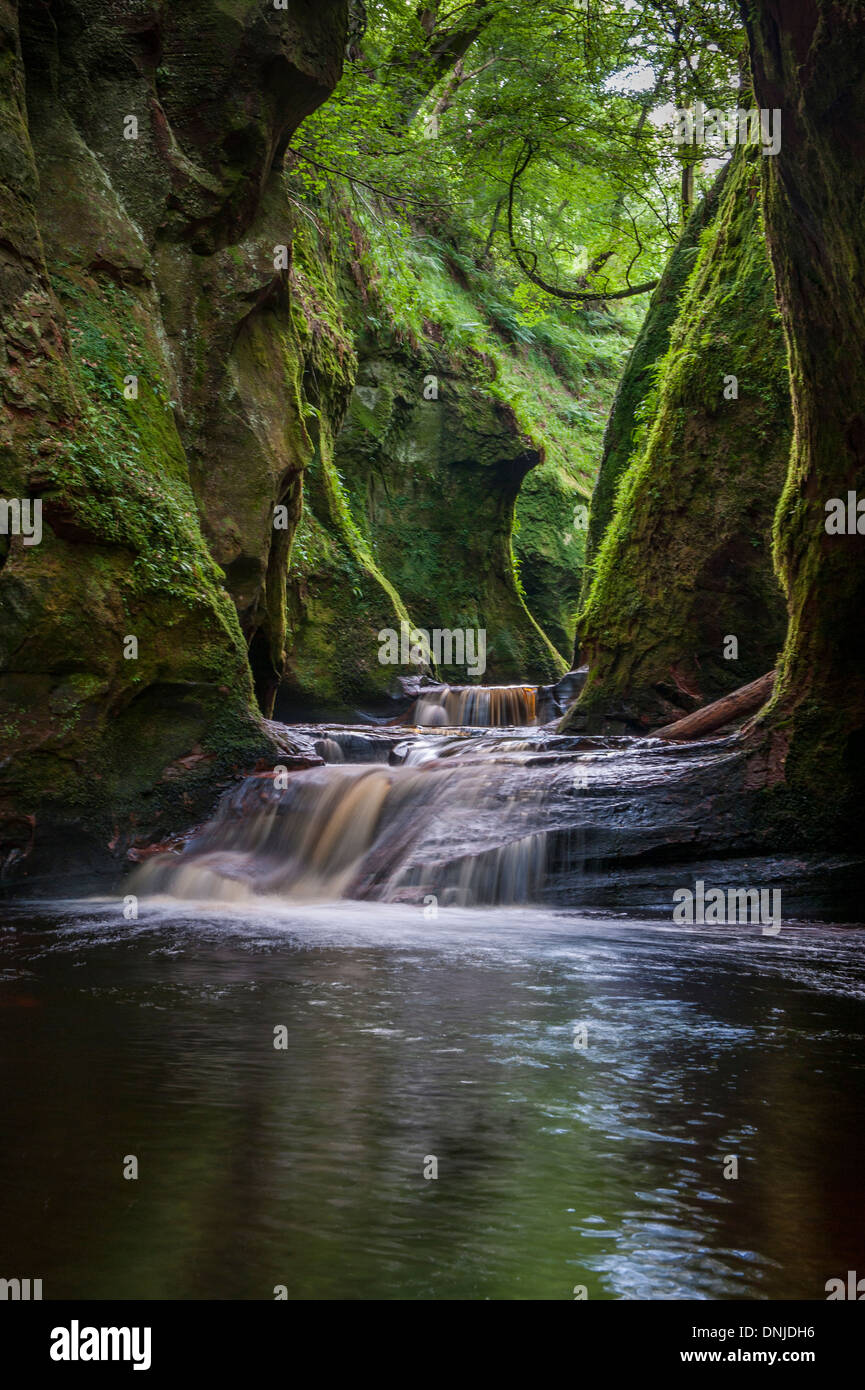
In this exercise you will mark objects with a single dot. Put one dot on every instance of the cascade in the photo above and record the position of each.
(467, 816)
(486, 706)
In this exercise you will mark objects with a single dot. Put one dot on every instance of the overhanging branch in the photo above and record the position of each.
(529, 267)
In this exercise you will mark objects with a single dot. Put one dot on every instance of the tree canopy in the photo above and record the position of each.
(539, 135)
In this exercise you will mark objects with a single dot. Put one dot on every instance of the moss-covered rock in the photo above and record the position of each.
(685, 605)
(638, 378)
(573, 391)
(811, 761)
(433, 483)
(183, 334)
(452, 491)
(125, 687)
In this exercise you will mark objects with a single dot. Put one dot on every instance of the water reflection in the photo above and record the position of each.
(558, 1166)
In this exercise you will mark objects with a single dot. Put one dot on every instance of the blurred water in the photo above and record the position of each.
(407, 1038)
(473, 817)
(484, 706)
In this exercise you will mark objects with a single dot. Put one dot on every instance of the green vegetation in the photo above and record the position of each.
(123, 475)
(379, 270)
(685, 562)
(471, 264)
(459, 395)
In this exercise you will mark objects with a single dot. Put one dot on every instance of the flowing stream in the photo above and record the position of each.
(470, 816)
(366, 971)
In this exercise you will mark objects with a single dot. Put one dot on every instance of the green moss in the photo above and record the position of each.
(123, 476)
(634, 400)
(685, 562)
(160, 270)
(426, 491)
(122, 555)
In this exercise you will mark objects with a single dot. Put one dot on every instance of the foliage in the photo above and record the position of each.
(439, 106)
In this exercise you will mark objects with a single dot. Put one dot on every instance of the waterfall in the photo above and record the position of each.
(438, 824)
(465, 816)
(479, 706)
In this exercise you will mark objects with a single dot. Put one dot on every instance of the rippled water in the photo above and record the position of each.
(406, 1038)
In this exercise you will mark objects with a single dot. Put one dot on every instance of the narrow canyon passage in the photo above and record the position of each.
(432, 669)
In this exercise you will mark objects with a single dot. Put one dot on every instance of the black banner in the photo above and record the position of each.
(83, 1339)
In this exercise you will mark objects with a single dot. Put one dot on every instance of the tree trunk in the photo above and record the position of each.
(738, 703)
(808, 59)
(687, 191)
(414, 69)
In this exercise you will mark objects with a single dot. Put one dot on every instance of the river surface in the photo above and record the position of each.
(408, 1038)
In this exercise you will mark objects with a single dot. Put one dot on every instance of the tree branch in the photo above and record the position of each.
(580, 296)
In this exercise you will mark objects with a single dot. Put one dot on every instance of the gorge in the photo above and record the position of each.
(428, 555)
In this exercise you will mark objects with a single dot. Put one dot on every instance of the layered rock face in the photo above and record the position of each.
(152, 376)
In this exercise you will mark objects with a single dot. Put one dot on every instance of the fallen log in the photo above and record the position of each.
(738, 703)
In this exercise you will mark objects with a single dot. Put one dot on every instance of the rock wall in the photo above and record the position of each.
(685, 604)
(813, 734)
(147, 352)
(242, 478)
(429, 487)
(637, 381)
(447, 497)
